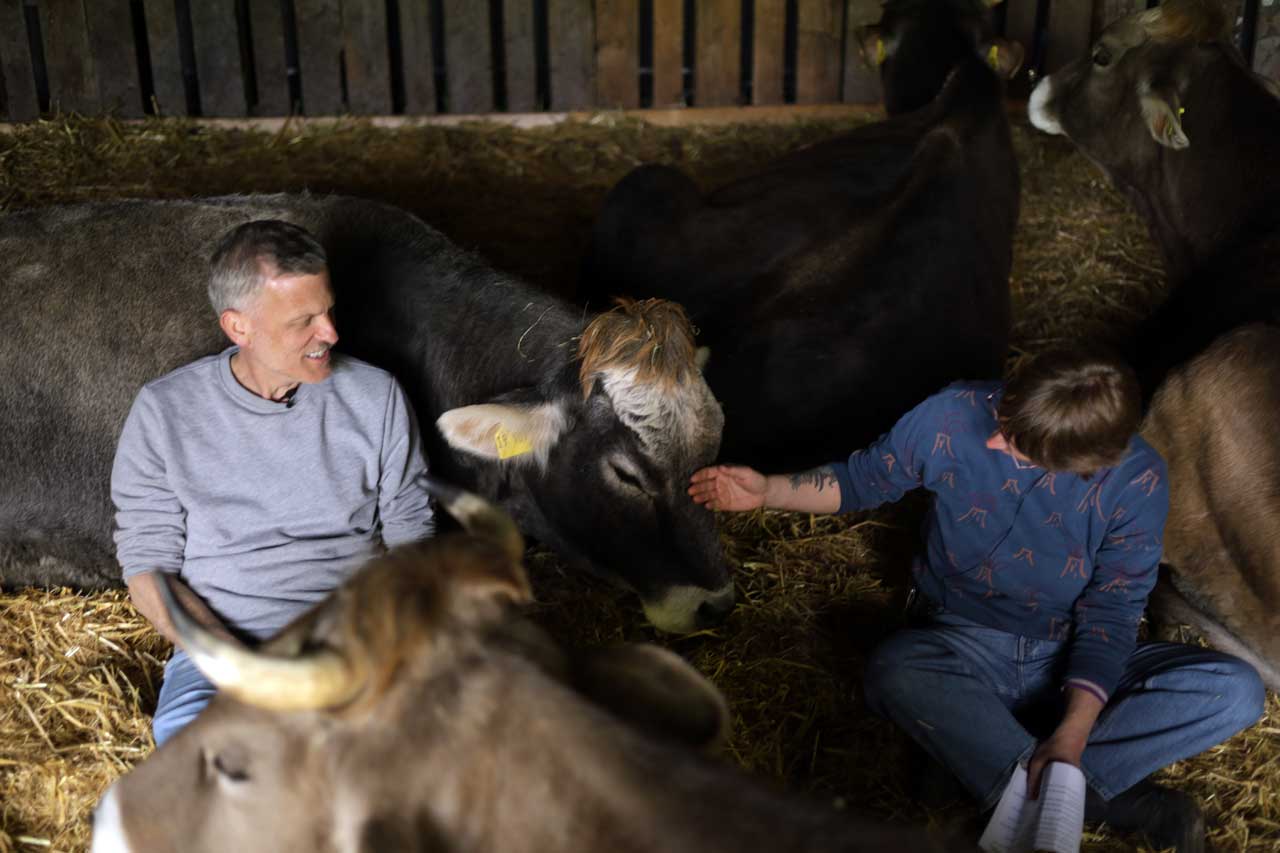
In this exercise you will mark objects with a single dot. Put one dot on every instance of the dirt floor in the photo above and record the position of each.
(78, 674)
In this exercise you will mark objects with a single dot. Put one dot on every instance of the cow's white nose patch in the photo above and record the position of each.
(1038, 108)
(108, 829)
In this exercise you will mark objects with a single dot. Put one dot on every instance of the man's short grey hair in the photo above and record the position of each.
(255, 251)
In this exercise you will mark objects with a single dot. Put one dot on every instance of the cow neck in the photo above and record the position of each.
(617, 783)
(1214, 205)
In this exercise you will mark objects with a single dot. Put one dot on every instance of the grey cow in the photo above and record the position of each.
(585, 429)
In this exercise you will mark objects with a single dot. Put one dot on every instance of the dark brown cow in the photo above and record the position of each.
(845, 282)
(1166, 107)
(416, 710)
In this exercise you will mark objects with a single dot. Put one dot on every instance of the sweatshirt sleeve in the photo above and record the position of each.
(1108, 611)
(151, 523)
(404, 504)
(891, 466)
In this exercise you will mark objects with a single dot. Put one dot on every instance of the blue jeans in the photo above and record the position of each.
(969, 695)
(183, 694)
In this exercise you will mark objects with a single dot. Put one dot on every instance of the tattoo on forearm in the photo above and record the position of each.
(819, 478)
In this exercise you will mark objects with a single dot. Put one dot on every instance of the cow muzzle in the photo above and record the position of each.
(690, 608)
(108, 826)
(1039, 110)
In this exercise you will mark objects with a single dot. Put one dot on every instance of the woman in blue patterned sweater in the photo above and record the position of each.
(1042, 543)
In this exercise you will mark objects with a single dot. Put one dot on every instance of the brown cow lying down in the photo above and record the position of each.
(1214, 421)
(416, 710)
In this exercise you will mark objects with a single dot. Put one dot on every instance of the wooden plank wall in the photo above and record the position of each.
(169, 97)
(18, 100)
(266, 23)
(819, 31)
(518, 47)
(617, 54)
(327, 57)
(668, 53)
(717, 53)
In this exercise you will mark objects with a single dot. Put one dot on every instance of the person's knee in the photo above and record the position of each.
(1246, 695)
(171, 718)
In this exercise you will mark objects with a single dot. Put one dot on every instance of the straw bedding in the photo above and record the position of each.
(78, 674)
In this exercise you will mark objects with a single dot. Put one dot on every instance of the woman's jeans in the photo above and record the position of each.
(183, 694)
(969, 694)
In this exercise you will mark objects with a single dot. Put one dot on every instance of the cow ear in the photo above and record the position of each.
(871, 46)
(1004, 56)
(656, 690)
(701, 356)
(517, 432)
(1164, 121)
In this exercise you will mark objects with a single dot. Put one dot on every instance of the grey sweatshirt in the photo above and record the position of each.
(264, 508)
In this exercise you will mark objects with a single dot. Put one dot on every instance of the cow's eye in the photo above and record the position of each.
(228, 766)
(627, 478)
(1101, 56)
(234, 773)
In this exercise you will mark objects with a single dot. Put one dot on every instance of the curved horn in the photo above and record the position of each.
(1186, 20)
(315, 680)
(478, 517)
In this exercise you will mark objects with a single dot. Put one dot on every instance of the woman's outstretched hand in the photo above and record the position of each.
(728, 487)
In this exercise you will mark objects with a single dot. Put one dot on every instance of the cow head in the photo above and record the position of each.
(1123, 105)
(413, 710)
(918, 42)
(604, 458)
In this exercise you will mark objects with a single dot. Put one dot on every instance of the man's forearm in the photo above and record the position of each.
(144, 592)
(815, 490)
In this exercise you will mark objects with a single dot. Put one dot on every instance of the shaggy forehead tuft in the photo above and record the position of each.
(650, 339)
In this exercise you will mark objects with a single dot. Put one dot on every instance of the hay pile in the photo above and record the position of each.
(78, 674)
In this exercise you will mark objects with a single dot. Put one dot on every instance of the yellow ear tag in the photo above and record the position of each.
(880, 51)
(1181, 111)
(511, 444)
(993, 57)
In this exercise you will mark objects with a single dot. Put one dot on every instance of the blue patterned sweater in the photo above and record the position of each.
(1016, 547)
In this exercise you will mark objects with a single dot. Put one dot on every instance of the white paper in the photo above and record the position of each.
(1054, 821)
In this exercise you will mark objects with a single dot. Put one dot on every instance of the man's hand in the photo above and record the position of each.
(1068, 741)
(144, 592)
(728, 487)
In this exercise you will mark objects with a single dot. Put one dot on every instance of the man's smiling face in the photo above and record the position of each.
(287, 332)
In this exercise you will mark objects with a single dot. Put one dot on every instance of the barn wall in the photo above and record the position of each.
(239, 58)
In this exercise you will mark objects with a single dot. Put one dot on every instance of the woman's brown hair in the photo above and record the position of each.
(1072, 410)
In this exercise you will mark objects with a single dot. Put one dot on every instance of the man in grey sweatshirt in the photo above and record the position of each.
(263, 476)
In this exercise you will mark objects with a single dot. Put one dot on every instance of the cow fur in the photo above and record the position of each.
(1214, 420)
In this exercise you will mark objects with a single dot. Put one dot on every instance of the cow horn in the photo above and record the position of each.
(478, 517)
(1185, 20)
(311, 681)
